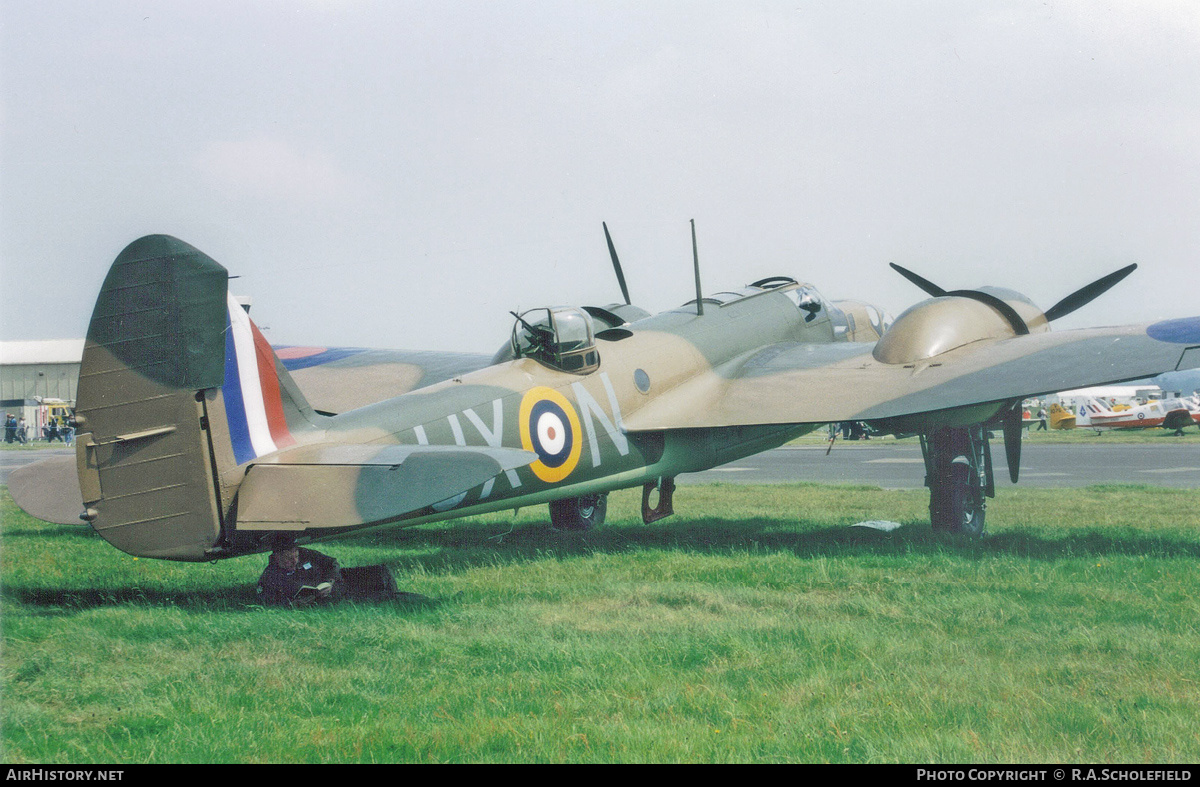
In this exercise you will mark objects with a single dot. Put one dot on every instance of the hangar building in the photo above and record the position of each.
(38, 378)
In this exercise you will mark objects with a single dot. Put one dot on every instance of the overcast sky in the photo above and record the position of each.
(401, 174)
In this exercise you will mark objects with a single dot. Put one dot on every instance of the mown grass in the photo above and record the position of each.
(754, 626)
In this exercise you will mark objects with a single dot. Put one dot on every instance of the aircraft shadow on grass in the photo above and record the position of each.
(49, 531)
(452, 549)
(55, 602)
(459, 548)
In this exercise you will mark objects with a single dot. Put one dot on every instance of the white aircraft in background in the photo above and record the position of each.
(1167, 413)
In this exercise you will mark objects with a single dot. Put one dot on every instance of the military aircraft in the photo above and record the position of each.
(196, 442)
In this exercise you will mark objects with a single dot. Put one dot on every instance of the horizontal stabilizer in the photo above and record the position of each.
(48, 490)
(337, 486)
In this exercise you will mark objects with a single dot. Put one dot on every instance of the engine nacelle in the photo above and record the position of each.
(938, 325)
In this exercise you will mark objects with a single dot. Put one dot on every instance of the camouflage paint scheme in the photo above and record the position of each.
(196, 442)
(338, 379)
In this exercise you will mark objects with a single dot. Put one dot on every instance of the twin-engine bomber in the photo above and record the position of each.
(197, 440)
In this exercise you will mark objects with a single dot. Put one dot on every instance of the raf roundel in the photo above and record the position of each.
(550, 428)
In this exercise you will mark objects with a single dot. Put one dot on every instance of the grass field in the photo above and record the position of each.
(754, 626)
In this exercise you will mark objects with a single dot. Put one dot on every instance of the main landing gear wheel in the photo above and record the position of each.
(954, 504)
(579, 513)
(959, 476)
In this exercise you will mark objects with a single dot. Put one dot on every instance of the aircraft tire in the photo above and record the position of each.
(954, 506)
(579, 513)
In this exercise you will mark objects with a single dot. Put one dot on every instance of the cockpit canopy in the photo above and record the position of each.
(562, 338)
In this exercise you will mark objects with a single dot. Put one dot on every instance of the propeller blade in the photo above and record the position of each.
(1085, 295)
(612, 252)
(1012, 441)
(923, 283)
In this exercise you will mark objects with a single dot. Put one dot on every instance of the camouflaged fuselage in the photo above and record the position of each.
(494, 407)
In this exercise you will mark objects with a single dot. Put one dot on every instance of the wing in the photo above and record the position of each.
(339, 485)
(337, 379)
(820, 383)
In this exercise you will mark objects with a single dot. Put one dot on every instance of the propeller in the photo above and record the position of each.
(923, 283)
(1010, 314)
(1079, 298)
(1012, 440)
(612, 252)
(1085, 295)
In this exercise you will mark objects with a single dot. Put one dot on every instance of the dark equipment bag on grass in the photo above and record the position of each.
(368, 583)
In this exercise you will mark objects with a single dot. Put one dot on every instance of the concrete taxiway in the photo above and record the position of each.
(898, 465)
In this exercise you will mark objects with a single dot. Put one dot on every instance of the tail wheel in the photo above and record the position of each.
(579, 513)
(955, 502)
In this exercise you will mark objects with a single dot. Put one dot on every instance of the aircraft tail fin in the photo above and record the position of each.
(178, 391)
(1061, 418)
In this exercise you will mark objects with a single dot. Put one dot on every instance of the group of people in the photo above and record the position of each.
(14, 430)
(56, 428)
(60, 429)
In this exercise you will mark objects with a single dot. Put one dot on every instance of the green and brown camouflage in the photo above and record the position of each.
(196, 443)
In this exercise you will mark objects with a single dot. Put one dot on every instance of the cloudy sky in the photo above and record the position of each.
(401, 174)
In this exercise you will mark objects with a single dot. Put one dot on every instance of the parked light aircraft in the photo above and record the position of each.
(1166, 413)
(196, 442)
(1060, 417)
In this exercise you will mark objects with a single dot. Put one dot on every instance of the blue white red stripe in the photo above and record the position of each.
(253, 401)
